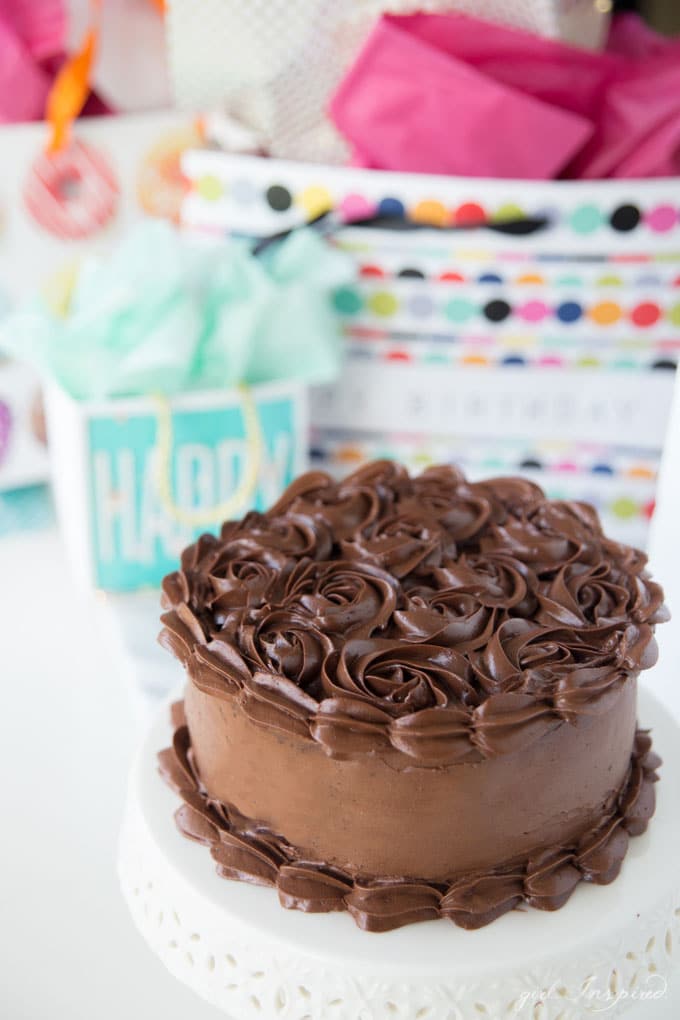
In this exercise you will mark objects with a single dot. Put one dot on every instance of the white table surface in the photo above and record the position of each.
(68, 950)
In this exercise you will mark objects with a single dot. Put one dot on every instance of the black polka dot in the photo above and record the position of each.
(625, 217)
(407, 273)
(496, 311)
(530, 463)
(665, 365)
(279, 198)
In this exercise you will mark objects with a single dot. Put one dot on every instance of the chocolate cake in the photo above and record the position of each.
(413, 698)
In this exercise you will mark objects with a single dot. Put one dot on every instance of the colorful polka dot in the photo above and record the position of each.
(459, 310)
(355, 207)
(609, 281)
(371, 270)
(420, 305)
(449, 276)
(649, 280)
(605, 313)
(662, 218)
(625, 218)
(508, 211)
(567, 466)
(399, 356)
(315, 200)
(624, 508)
(664, 365)
(391, 208)
(210, 187)
(588, 362)
(640, 471)
(531, 278)
(347, 301)
(383, 303)
(348, 454)
(531, 464)
(602, 469)
(513, 359)
(474, 359)
(569, 281)
(489, 278)
(409, 273)
(497, 311)
(624, 364)
(533, 311)
(550, 361)
(648, 509)
(569, 311)
(469, 213)
(673, 314)
(586, 219)
(279, 198)
(646, 314)
(430, 211)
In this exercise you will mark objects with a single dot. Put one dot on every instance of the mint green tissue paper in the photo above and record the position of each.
(165, 313)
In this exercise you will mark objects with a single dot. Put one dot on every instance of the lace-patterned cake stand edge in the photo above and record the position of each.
(611, 950)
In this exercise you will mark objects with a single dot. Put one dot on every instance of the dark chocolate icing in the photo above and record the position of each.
(381, 609)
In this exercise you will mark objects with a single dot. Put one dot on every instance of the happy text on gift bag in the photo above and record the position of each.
(207, 471)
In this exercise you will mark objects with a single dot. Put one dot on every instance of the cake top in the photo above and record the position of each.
(429, 616)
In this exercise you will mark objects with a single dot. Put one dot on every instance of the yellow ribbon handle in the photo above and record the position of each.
(245, 489)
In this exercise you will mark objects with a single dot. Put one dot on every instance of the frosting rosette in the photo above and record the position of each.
(287, 643)
(546, 534)
(443, 494)
(276, 539)
(499, 581)
(398, 679)
(403, 543)
(343, 597)
(453, 618)
(581, 594)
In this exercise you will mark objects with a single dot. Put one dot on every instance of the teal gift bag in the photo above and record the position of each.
(136, 480)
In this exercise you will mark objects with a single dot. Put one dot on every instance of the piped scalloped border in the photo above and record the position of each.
(545, 881)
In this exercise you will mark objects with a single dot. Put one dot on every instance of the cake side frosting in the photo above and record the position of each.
(442, 620)
(545, 880)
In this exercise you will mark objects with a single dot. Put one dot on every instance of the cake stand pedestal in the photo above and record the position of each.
(612, 950)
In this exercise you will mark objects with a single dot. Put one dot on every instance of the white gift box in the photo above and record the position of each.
(276, 64)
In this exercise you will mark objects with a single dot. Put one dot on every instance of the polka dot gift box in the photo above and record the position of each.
(483, 313)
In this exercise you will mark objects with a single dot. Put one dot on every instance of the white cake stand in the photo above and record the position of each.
(611, 950)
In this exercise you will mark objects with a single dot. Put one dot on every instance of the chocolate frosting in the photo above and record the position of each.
(429, 618)
(249, 852)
